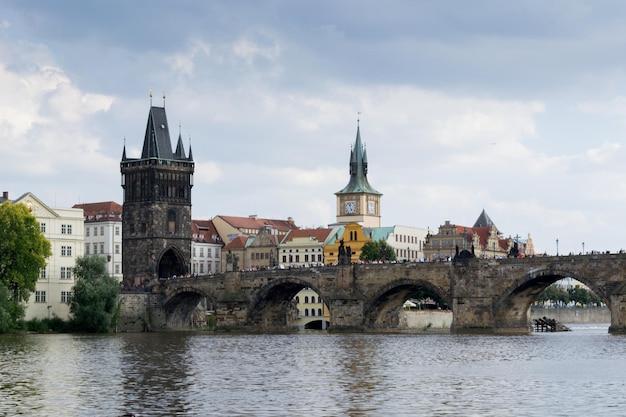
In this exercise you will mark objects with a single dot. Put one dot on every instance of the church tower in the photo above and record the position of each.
(358, 201)
(156, 223)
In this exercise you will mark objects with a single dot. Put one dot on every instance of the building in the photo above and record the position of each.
(231, 227)
(352, 236)
(407, 242)
(358, 201)
(304, 247)
(64, 229)
(206, 248)
(483, 239)
(103, 233)
(156, 231)
(312, 312)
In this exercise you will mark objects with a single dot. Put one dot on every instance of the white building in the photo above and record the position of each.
(103, 233)
(407, 242)
(206, 248)
(64, 228)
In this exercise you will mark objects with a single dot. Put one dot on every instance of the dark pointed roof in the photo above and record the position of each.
(180, 151)
(157, 143)
(484, 221)
(358, 170)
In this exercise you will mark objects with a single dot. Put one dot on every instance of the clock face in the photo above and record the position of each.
(371, 207)
(350, 207)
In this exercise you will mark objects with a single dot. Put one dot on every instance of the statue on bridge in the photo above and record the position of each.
(345, 253)
(232, 262)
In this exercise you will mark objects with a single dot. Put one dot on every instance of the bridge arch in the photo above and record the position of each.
(273, 308)
(171, 262)
(383, 307)
(512, 308)
(181, 305)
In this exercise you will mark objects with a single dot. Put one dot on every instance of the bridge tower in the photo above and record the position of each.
(156, 224)
(358, 201)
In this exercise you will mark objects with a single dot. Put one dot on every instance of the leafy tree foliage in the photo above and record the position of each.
(579, 295)
(95, 296)
(23, 253)
(377, 251)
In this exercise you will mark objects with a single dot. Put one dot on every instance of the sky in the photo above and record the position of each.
(516, 107)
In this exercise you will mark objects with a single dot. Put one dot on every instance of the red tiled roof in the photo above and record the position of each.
(204, 231)
(237, 243)
(320, 234)
(257, 223)
(99, 212)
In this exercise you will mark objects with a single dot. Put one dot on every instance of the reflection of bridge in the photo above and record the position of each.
(486, 296)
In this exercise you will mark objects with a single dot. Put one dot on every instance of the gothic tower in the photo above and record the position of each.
(156, 223)
(358, 201)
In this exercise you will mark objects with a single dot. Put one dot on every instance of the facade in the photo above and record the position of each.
(304, 247)
(156, 231)
(407, 242)
(483, 239)
(206, 248)
(103, 233)
(312, 312)
(64, 228)
(353, 237)
(358, 202)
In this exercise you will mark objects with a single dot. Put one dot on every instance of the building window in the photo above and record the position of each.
(66, 251)
(95, 248)
(313, 312)
(306, 312)
(117, 249)
(66, 229)
(86, 231)
(66, 272)
(40, 296)
(117, 269)
(208, 252)
(66, 297)
(117, 230)
(42, 273)
(86, 248)
(42, 227)
(101, 248)
(306, 299)
(202, 252)
(202, 268)
(101, 230)
(319, 312)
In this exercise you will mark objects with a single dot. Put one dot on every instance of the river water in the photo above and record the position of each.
(582, 372)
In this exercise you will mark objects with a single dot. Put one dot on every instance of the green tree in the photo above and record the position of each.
(23, 253)
(377, 251)
(95, 295)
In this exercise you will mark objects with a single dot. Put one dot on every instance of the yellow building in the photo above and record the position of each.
(353, 237)
(312, 312)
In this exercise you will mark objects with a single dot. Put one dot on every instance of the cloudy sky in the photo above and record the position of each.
(518, 108)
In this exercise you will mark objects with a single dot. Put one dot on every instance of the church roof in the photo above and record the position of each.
(358, 170)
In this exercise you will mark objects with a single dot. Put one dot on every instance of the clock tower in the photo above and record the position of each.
(156, 224)
(358, 201)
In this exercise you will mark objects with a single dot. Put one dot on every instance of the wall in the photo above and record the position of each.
(435, 321)
(573, 315)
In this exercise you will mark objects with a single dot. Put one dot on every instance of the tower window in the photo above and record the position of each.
(171, 221)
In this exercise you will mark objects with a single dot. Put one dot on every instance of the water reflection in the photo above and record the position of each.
(184, 374)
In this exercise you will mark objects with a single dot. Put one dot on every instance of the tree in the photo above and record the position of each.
(95, 295)
(23, 253)
(377, 251)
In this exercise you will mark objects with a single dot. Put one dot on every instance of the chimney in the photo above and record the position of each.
(5, 195)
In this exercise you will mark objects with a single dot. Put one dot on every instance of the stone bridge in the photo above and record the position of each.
(485, 295)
